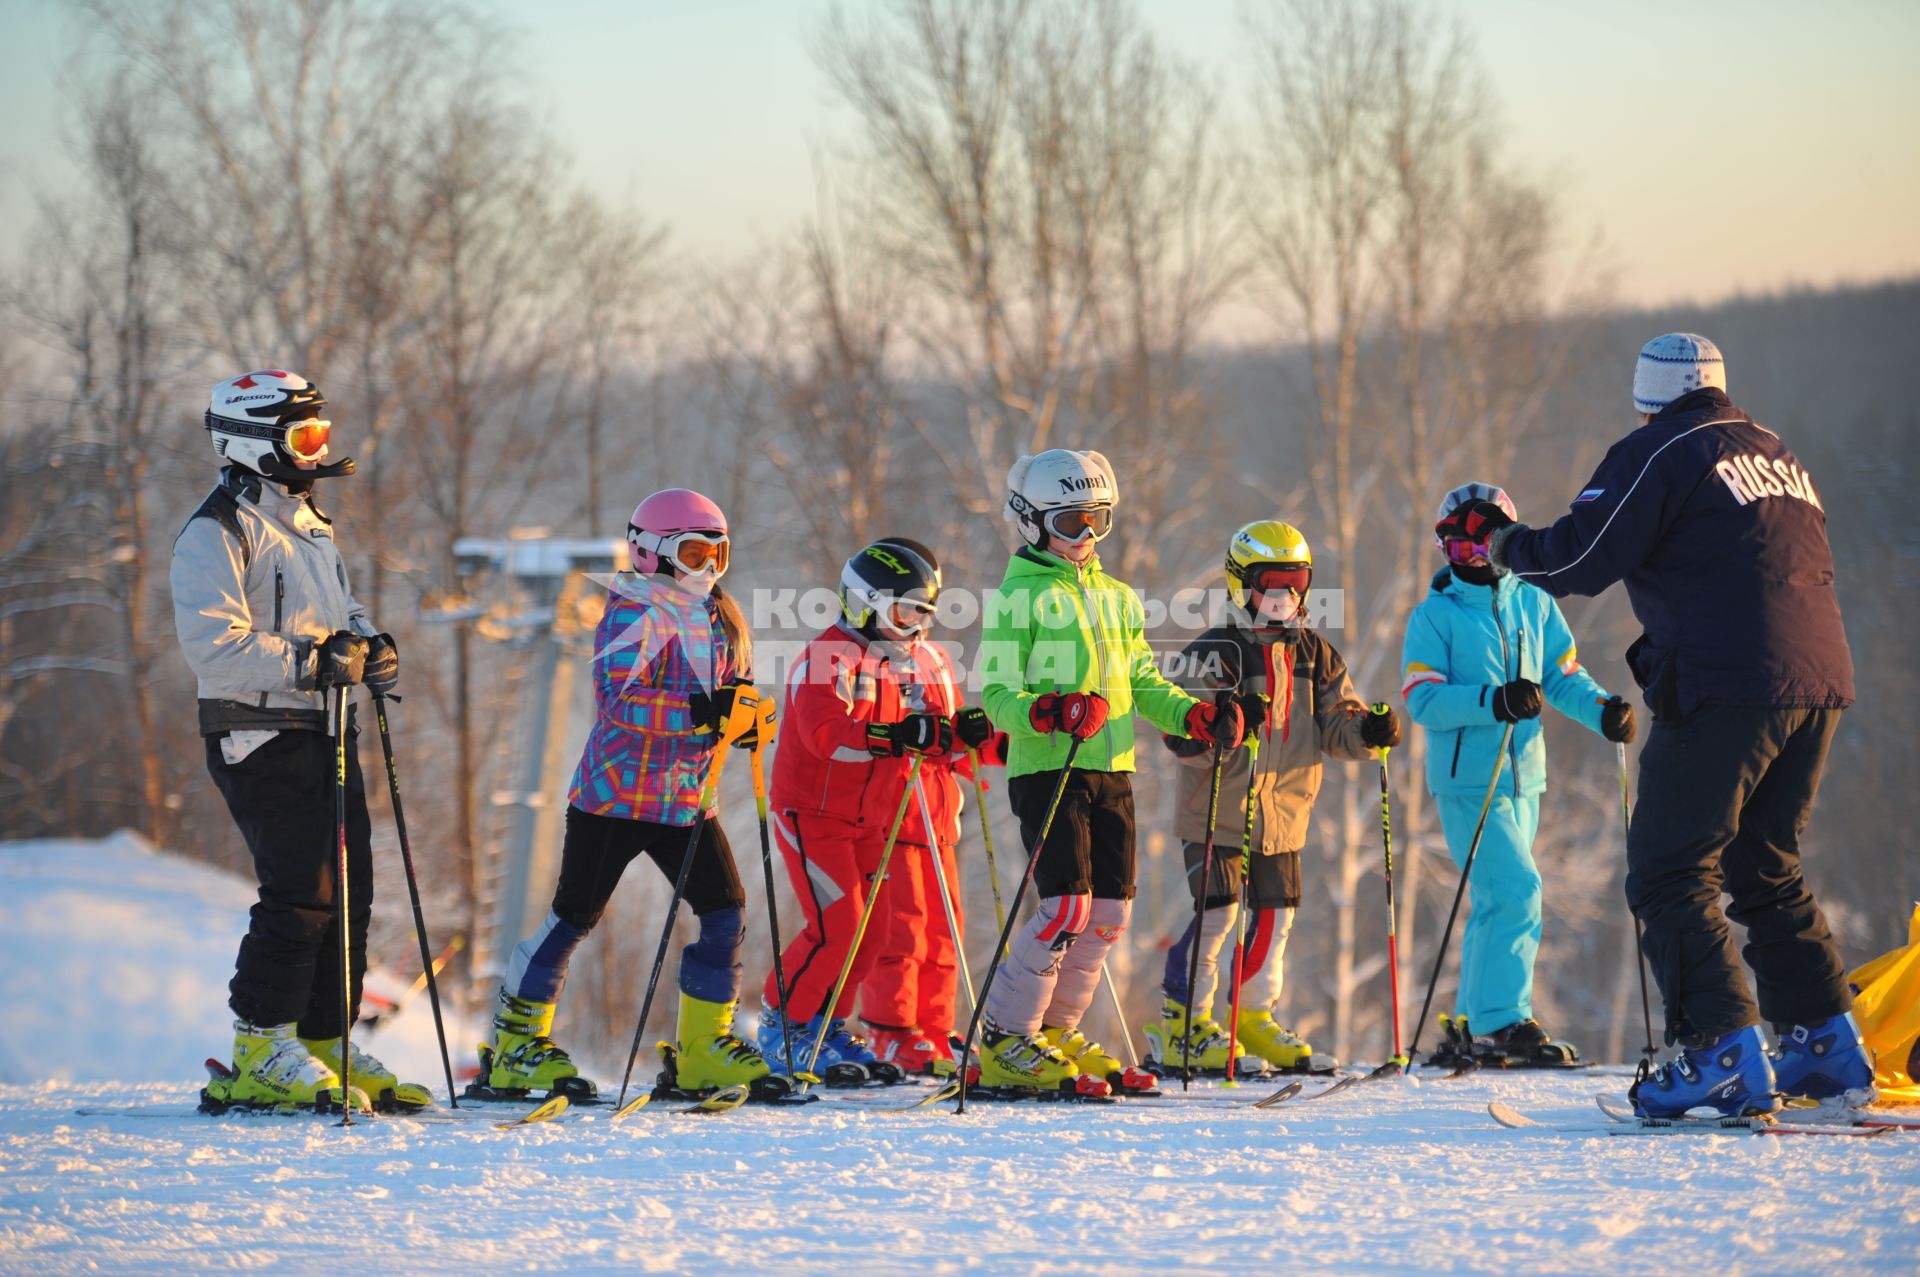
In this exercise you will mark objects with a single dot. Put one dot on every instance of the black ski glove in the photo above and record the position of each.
(383, 665)
(1254, 708)
(340, 660)
(930, 734)
(1616, 721)
(1380, 731)
(709, 710)
(1517, 700)
(973, 727)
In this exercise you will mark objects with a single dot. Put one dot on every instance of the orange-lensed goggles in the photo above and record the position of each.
(307, 440)
(698, 551)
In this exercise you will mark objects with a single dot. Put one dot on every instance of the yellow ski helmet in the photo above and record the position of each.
(1270, 549)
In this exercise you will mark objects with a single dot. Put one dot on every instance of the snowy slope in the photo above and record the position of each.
(114, 962)
(1408, 1176)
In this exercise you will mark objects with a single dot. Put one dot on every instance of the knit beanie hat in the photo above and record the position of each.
(1674, 365)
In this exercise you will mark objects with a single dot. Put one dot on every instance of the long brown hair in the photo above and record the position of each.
(733, 622)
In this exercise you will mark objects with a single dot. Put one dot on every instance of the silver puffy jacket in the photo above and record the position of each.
(257, 583)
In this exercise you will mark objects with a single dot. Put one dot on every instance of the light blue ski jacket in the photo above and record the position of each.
(1463, 642)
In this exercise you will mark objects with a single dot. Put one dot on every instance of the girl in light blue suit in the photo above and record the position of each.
(1483, 650)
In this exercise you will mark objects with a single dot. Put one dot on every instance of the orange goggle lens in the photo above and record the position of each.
(307, 440)
(697, 554)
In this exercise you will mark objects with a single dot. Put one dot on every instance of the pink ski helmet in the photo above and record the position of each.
(667, 514)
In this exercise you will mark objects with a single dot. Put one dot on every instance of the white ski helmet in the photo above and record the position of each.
(269, 422)
(1473, 492)
(1060, 479)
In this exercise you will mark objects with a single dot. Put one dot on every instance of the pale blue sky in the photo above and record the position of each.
(1717, 146)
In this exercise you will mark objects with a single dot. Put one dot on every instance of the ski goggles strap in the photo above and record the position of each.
(1077, 522)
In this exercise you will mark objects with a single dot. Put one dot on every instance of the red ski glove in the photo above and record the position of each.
(1079, 714)
(1216, 726)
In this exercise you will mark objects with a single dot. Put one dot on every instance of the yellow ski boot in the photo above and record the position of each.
(1087, 1055)
(1209, 1050)
(523, 1060)
(273, 1069)
(1275, 1043)
(710, 1055)
(368, 1074)
(1028, 1062)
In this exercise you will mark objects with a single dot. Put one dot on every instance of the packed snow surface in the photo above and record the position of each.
(1403, 1176)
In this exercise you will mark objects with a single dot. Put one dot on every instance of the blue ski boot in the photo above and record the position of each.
(1827, 1061)
(846, 1045)
(1730, 1076)
(838, 1066)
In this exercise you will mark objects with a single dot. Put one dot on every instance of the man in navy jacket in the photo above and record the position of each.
(1720, 537)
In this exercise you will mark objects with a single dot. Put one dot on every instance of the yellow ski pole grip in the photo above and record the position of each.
(1380, 709)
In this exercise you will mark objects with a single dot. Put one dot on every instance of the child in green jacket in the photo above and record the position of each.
(1064, 657)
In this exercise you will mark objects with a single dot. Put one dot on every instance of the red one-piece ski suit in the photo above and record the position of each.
(833, 805)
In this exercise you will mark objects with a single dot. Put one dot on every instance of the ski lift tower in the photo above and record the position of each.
(559, 591)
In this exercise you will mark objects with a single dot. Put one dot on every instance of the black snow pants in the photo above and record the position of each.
(1724, 795)
(281, 797)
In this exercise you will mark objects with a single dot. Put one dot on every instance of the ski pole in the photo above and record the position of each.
(1393, 943)
(764, 728)
(740, 719)
(1200, 894)
(946, 894)
(1639, 931)
(413, 893)
(1013, 914)
(986, 837)
(866, 914)
(1473, 849)
(1240, 917)
(343, 913)
(1119, 1014)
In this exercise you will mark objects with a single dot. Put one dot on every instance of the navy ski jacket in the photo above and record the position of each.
(1720, 537)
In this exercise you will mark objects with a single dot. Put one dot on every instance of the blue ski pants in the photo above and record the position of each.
(1502, 934)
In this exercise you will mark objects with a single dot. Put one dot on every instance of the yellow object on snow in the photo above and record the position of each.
(1886, 1004)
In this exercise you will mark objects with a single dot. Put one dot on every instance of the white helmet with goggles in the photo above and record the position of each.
(1062, 492)
(270, 422)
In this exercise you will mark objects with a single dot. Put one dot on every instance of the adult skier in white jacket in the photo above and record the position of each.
(269, 626)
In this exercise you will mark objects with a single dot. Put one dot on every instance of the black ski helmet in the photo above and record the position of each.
(891, 570)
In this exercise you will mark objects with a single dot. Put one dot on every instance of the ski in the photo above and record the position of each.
(1630, 1124)
(551, 1109)
(947, 1090)
(1280, 1096)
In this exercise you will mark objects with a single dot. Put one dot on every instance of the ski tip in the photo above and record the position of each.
(633, 1105)
(1508, 1116)
(722, 1101)
(551, 1109)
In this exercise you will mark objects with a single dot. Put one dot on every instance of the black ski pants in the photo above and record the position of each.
(281, 797)
(1724, 795)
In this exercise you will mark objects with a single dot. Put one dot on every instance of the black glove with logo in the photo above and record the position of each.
(340, 660)
(383, 665)
(973, 727)
(1517, 700)
(930, 734)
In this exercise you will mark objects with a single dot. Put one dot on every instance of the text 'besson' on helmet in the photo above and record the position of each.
(1060, 479)
(1474, 492)
(889, 589)
(270, 422)
(1266, 543)
(675, 525)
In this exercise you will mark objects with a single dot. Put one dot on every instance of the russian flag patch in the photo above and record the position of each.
(1591, 494)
